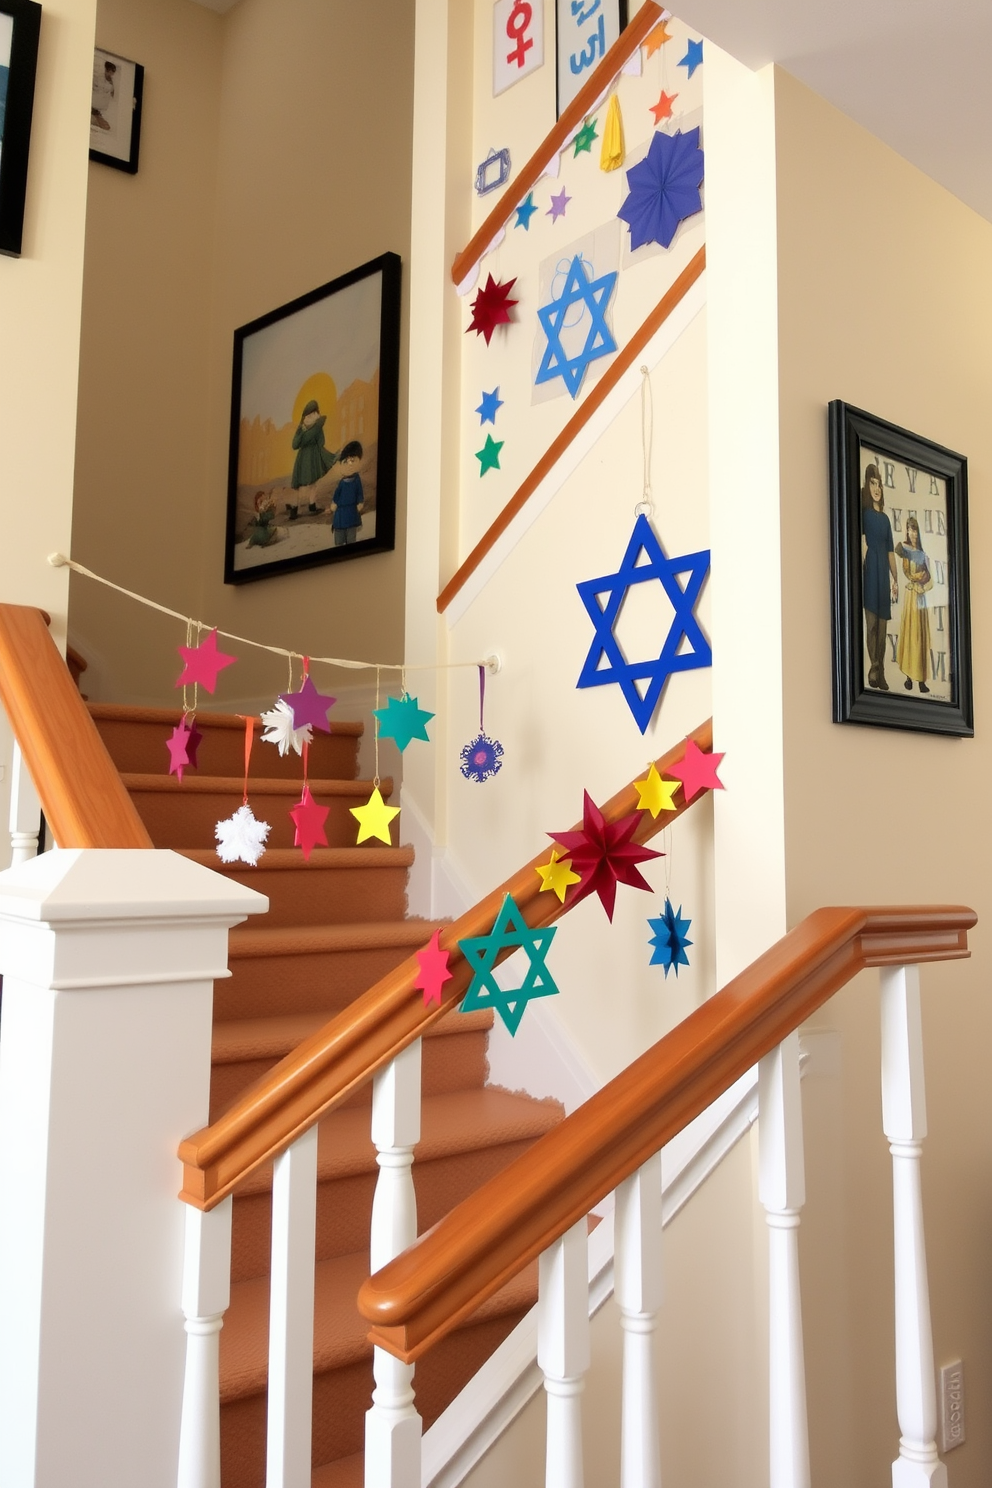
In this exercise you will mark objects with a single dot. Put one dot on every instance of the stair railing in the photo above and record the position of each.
(537, 1207)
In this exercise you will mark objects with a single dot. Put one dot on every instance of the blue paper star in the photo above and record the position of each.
(403, 719)
(594, 294)
(670, 939)
(606, 648)
(664, 188)
(489, 407)
(509, 933)
(693, 56)
(525, 212)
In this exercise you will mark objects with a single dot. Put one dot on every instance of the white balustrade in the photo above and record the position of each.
(205, 1299)
(294, 1229)
(25, 811)
(563, 1351)
(638, 1291)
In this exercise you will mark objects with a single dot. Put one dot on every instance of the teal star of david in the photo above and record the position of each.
(482, 952)
(605, 646)
(579, 289)
(403, 719)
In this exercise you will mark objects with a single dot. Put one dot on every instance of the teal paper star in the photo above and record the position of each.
(509, 933)
(525, 212)
(693, 56)
(488, 456)
(489, 407)
(403, 719)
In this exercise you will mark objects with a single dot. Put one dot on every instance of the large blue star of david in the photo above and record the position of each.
(605, 646)
(578, 290)
(482, 952)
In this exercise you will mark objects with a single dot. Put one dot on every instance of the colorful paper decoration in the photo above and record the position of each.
(693, 56)
(492, 172)
(697, 771)
(241, 839)
(518, 41)
(374, 817)
(605, 662)
(557, 875)
(612, 149)
(586, 138)
(403, 719)
(558, 205)
(482, 756)
(525, 212)
(510, 932)
(182, 745)
(656, 39)
(488, 456)
(309, 706)
(594, 295)
(669, 939)
(491, 307)
(604, 855)
(203, 663)
(433, 970)
(655, 793)
(489, 407)
(663, 108)
(280, 731)
(308, 818)
(664, 188)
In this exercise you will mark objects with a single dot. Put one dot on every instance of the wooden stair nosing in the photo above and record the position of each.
(237, 1040)
(309, 940)
(125, 713)
(283, 859)
(138, 783)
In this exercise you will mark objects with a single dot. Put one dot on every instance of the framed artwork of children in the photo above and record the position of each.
(20, 26)
(315, 393)
(115, 111)
(901, 605)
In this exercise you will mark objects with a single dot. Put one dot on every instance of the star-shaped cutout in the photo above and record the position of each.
(670, 939)
(433, 970)
(655, 794)
(559, 317)
(279, 730)
(664, 188)
(308, 818)
(557, 875)
(604, 854)
(558, 205)
(525, 212)
(585, 138)
(489, 407)
(491, 307)
(241, 839)
(509, 933)
(182, 745)
(656, 39)
(693, 56)
(663, 108)
(606, 662)
(697, 771)
(203, 663)
(488, 456)
(309, 706)
(374, 817)
(403, 719)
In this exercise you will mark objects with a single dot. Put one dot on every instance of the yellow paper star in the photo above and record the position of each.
(656, 39)
(557, 874)
(656, 794)
(374, 818)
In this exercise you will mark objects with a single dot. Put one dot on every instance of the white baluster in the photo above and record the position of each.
(904, 1120)
(392, 1426)
(25, 811)
(638, 1288)
(206, 1298)
(563, 1351)
(290, 1396)
(782, 1190)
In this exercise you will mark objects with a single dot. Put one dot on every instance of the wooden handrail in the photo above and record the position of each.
(81, 793)
(582, 104)
(343, 1055)
(672, 297)
(420, 1296)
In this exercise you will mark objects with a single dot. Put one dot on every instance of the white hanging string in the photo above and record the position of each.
(645, 506)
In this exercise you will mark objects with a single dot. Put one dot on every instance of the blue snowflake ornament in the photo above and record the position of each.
(670, 940)
(664, 188)
(575, 322)
(481, 758)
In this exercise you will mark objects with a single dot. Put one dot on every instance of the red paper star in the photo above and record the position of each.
(433, 970)
(308, 819)
(663, 108)
(491, 308)
(604, 855)
(182, 745)
(203, 662)
(697, 771)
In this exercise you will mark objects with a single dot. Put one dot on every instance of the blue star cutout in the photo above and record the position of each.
(489, 407)
(594, 294)
(685, 626)
(670, 939)
(402, 719)
(525, 212)
(509, 933)
(693, 56)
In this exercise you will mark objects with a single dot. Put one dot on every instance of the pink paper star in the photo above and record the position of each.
(308, 819)
(697, 771)
(203, 662)
(433, 970)
(309, 706)
(558, 205)
(182, 745)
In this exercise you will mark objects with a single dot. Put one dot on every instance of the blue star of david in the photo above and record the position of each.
(482, 952)
(579, 289)
(684, 624)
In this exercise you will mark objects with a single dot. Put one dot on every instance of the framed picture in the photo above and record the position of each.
(315, 392)
(584, 32)
(115, 112)
(20, 26)
(901, 596)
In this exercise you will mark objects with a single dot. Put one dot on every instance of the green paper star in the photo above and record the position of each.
(585, 137)
(488, 456)
(402, 719)
(510, 932)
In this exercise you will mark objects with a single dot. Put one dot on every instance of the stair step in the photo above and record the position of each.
(339, 884)
(347, 1472)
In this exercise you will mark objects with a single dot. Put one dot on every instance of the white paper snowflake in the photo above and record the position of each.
(279, 729)
(241, 839)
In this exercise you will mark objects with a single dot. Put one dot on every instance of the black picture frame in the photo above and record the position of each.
(17, 78)
(590, 13)
(349, 325)
(928, 628)
(115, 117)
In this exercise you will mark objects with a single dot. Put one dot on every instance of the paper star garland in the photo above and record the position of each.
(558, 205)
(664, 188)
(374, 817)
(557, 875)
(308, 818)
(670, 940)
(241, 839)
(433, 970)
(309, 706)
(489, 407)
(182, 745)
(403, 719)
(604, 854)
(697, 771)
(585, 138)
(525, 212)
(655, 794)
(488, 456)
(491, 308)
(279, 729)
(663, 108)
(605, 662)
(559, 315)
(656, 39)
(693, 56)
(202, 663)
(481, 758)
(510, 932)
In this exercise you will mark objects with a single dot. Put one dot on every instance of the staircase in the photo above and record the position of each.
(335, 926)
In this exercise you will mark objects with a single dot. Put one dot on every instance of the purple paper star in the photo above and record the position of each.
(558, 205)
(309, 706)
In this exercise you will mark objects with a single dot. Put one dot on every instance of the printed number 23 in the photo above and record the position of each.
(587, 58)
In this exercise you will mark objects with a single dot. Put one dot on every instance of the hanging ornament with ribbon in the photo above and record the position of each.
(375, 816)
(241, 839)
(307, 816)
(670, 939)
(482, 756)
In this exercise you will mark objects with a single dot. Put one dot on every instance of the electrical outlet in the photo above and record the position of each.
(951, 1405)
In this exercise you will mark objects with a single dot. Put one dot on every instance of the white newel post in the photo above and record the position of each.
(393, 1426)
(25, 811)
(108, 959)
(637, 1288)
(206, 1297)
(563, 1351)
(904, 1120)
(782, 1191)
(294, 1233)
